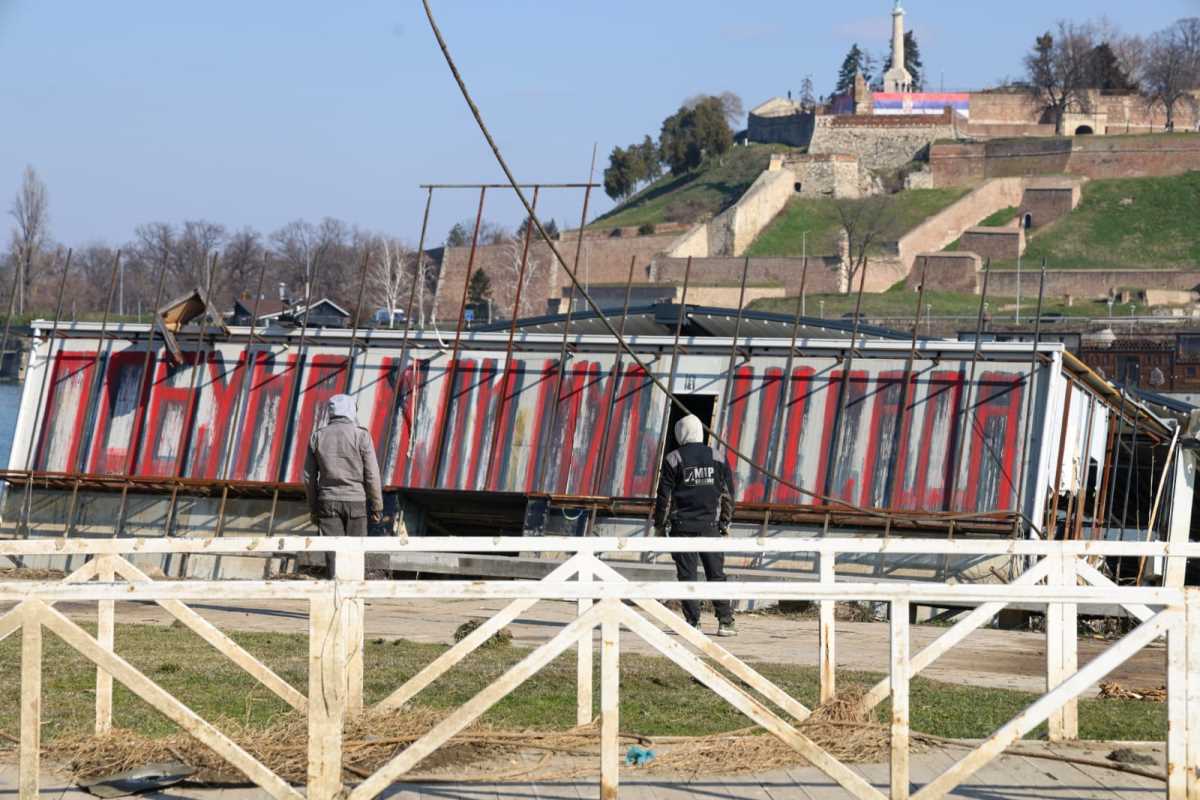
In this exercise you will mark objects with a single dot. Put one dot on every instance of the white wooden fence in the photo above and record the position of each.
(1058, 574)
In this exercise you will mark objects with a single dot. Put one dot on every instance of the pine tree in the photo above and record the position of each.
(479, 290)
(912, 61)
(853, 64)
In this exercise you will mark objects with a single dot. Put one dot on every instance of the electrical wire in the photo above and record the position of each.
(604, 320)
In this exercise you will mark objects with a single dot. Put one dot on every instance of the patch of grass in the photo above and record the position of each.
(657, 698)
(820, 218)
(703, 192)
(1125, 223)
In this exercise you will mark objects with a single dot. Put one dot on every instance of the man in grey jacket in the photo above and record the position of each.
(341, 473)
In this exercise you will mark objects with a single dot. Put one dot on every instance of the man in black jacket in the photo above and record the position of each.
(695, 495)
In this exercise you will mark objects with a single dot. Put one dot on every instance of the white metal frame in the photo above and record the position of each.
(1059, 576)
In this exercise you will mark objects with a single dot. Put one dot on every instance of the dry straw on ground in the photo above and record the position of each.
(842, 727)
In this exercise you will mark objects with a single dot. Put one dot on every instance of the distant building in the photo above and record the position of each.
(324, 314)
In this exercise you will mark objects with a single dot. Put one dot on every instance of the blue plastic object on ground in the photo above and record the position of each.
(638, 756)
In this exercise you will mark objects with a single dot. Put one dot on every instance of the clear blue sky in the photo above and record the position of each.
(258, 112)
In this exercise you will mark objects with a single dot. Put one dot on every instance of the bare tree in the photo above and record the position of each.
(391, 273)
(1172, 68)
(30, 233)
(241, 262)
(508, 273)
(313, 253)
(1057, 70)
(865, 224)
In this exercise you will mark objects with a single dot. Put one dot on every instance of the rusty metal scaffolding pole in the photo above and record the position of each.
(362, 285)
(1111, 497)
(502, 401)
(432, 186)
(199, 362)
(1051, 527)
(97, 380)
(38, 430)
(727, 394)
(561, 368)
(418, 278)
(968, 407)
(452, 367)
(610, 403)
(665, 434)
(775, 448)
(243, 392)
(899, 438)
(839, 420)
(1026, 442)
(142, 399)
(311, 281)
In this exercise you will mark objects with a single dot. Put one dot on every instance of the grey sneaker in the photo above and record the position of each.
(727, 628)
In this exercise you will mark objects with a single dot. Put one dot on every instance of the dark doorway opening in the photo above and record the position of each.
(701, 405)
(1028, 221)
(1084, 130)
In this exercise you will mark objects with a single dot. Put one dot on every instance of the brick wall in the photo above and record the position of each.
(879, 142)
(1093, 284)
(998, 244)
(1044, 205)
(604, 260)
(947, 272)
(1088, 156)
(824, 273)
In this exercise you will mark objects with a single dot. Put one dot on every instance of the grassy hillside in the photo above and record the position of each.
(819, 217)
(1128, 223)
(706, 191)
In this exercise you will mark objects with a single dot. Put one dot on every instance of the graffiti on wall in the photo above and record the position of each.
(595, 430)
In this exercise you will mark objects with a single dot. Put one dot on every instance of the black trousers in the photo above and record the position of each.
(714, 572)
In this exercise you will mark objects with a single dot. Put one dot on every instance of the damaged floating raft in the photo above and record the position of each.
(917, 434)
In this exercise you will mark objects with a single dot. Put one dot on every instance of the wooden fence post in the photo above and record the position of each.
(105, 573)
(899, 674)
(827, 635)
(583, 655)
(1177, 706)
(29, 770)
(610, 692)
(352, 567)
(326, 694)
(1191, 645)
(1062, 655)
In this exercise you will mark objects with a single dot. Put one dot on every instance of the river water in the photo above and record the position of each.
(10, 402)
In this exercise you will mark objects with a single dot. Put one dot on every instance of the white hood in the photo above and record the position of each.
(343, 405)
(689, 431)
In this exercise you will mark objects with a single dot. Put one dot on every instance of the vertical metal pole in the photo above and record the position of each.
(242, 394)
(544, 450)
(502, 402)
(610, 403)
(1116, 464)
(1051, 531)
(665, 434)
(38, 426)
(297, 390)
(92, 400)
(727, 395)
(839, 421)
(362, 285)
(1026, 443)
(418, 278)
(777, 425)
(199, 363)
(894, 478)
(967, 413)
(452, 367)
